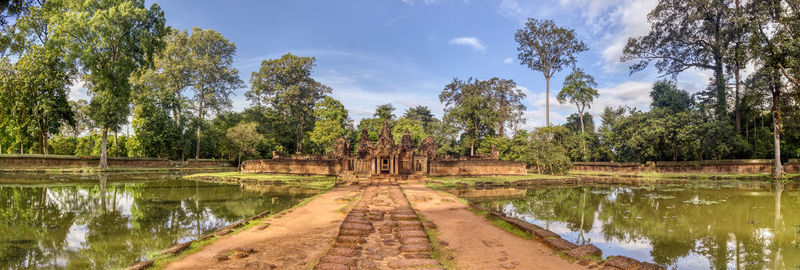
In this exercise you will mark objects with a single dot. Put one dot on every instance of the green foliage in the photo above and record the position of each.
(676, 49)
(421, 114)
(332, 121)
(286, 85)
(156, 134)
(414, 127)
(384, 112)
(666, 95)
(545, 153)
(63, 145)
(244, 137)
(546, 47)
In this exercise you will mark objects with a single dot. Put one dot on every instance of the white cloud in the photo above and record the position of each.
(508, 60)
(630, 93)
(473, 42)
(78, 91)
(631, 21)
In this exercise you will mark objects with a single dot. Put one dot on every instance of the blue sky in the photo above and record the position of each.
(403, 52)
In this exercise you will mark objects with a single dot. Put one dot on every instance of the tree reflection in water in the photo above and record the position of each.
(700, 226)
(113, 221)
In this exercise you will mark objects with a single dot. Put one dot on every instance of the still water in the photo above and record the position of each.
(108, 222)
(700, 226)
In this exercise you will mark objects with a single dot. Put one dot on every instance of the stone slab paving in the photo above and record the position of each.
(381, 232)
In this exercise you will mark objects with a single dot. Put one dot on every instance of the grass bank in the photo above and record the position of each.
(442, 183)
(318, 182)
(702, 176)
(95, 170)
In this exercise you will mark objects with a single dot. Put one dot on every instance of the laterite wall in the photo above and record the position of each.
(47, 162)
(292, 166)
(704, 166)
(476, 168)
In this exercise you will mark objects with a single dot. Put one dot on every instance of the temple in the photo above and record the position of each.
(384, 159)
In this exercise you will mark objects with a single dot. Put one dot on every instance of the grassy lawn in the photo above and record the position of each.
(311, 181)
(440, 183)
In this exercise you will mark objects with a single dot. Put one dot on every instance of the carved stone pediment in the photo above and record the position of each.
(428, 148)
(385, 144)
(364, 149)
(341, 147)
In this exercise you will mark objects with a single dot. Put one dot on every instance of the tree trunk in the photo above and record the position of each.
(44, 143)
(199, 124)
(776, 129)
(737, 68)
(736, 101)
(583, 137)
(103, 150)
(547, 101)
(472, 148)
(299, 138)
(197, 148)
(719, 81)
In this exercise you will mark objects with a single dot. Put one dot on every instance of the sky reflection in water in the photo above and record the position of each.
(110, 223)
(702, 226)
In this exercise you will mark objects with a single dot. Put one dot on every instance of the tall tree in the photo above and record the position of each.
(286, 85)
(665, 94)
(774, 40)
(213, 76)
(548, 48)
(384, 112)
(38, 94)
(42, 74)
(506, 99)
(579, 89)
(421, 114)
(10, 10)
(110, 39)
(332, 121)
(165, 82)
(468, 103)
(244, 137)
(686, 34)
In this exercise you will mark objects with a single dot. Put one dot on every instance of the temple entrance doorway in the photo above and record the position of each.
(384, 165)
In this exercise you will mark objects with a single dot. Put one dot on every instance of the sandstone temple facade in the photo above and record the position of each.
(384, 158)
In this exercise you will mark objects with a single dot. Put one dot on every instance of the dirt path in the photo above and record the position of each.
(475, 242)
(294, 240)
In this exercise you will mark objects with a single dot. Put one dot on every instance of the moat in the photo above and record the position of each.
(83, 222)
(705, 225)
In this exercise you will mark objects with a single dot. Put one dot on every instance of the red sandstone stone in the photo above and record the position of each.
(623, 262)
(341, 251)
(416, 233)
(543, 233)
(407, 263)
(414, 223)
(331, 266)
(414, 240)
(355, 226)
(337, 260)
(404, 217)
(651, 266)
(350, 239)
(585, 250)
(559, 244)
(416, 248)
